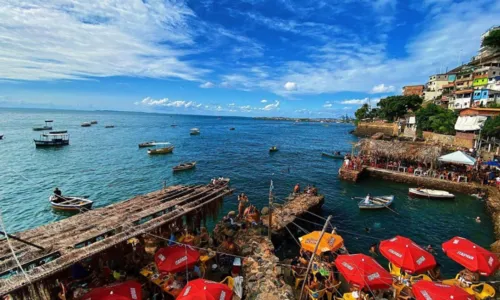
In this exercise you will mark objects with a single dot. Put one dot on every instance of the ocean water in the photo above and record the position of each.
(107, 165)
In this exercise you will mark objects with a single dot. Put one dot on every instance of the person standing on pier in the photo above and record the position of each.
(242, 202)
(296, 189)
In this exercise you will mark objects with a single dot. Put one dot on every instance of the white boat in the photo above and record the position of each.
(376, 202)
(93, 122)
(194, 131)
(431, 194)
(86, 124)
(70, 203)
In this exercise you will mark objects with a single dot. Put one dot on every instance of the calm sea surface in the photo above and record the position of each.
(107, 165)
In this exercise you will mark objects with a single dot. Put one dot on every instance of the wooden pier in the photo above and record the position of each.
(84, 235)
(295, 206)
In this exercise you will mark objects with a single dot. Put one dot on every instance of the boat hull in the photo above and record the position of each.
(422, 194)
(160, 151)
(48, 144)
(71, 204)
(389, 200)
(42, 128)
(1, 137)
(186, 167)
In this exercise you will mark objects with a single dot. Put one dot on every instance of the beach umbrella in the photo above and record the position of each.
(473, 257)
(129, 290)
(201, 289)
(176, 258)
(407, 255)
(492, 163)
(363, 271)
(329, 242)
(428, 290)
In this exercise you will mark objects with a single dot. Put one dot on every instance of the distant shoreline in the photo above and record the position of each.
(322, 120)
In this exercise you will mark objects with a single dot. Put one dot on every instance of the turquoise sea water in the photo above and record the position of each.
(107, 165)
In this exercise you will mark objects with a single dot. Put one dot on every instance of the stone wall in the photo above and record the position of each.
(463, 139)
(439, 138)
(370, 128)
(350, 175)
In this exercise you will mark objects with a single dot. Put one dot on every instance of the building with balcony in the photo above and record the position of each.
(434, 86)
(493, 83)
(463, 99)
(480, 82)
(483, 97)
(413, 90)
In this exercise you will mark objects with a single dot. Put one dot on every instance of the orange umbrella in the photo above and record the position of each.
(329, 242)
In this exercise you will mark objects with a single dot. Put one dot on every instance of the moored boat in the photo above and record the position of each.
(164, 150)
(232, 128)
(376, 202)
(184, 166)
(194, 131)
(109, 126)
(431, 194)
(1, 136)
(48, 126)
(147, 144)
(70, 203)
(86, 124)
(53, 139)
(332, 155)
(93, 122)
(273, 149)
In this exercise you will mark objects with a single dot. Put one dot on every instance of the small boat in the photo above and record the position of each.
(184, 166)
(1, 136)
(70, 203)
(109, 126)
(232, 128)
(164, 150)
(48, 126)
(53, 139)
(431, 194)
(376, 202)
(86, 124)
(332, 155)
(93, 122)
(273, 149)
(147, 144)
(194, 131)
(173, 125)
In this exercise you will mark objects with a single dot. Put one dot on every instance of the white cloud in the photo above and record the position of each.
(355, 101)
(382, 88)
(207, 85)
(273, 106)
(165, 102)
(327, 105)
(263, 101)
(290, 86)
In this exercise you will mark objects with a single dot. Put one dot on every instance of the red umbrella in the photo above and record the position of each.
(472, 256)
(407, 255)
(428, 290)
(129, 290)
(363, 271)
(176, 258)
(201, 289)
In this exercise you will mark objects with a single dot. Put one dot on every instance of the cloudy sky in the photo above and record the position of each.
(311, 58)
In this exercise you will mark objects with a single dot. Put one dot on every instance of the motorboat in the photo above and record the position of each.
(86, 124)
(93, 122)
(273, 149)
(53, 139)
(376, 202)
(333, 155)
(109, 126)
(70, 203)
(161, 150)
(431, 194)
(147, 144)
(1, 136)
(48, 126)
(194, 131)
(232, 128)
(184, 166)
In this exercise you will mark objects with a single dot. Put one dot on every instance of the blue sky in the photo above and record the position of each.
(309, 58)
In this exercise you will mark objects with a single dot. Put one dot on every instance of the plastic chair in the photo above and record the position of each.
(453, 281)
(415, 279)
(315, 295)
(481, 291)
(229, 281)
(329, 295)
(298, 278)
(395, 271)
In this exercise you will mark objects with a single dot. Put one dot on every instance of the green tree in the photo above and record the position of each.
(434, 118)
(491, 127)
(395, 107)
(492, 41)
(362, 112)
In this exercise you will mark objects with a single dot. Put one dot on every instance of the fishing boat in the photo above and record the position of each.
(194, 131)
(184, 166)
(173, 125)
(162, 150)
(109, 126)
(93, 122)
(48, 126)
(1, 136)
(332, 155)
(273, 149)
(70, 203)
(147, 144)
(86, 124)
(431, 194)
(232, 128)
(376, 202)
(53, 139)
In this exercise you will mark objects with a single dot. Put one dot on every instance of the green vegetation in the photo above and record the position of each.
(492, 41)
(491, 127)
(364, 112)
(434, 118)
(395, 107)
(493, 105)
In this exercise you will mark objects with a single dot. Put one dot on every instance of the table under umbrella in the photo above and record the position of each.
(329, 242)
(129, 290)
(363, 271)
(428, 290)
(407, 255)
(470, 255)
(176, 258)
(201, 289)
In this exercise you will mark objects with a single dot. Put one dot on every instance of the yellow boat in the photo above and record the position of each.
(165, 150)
